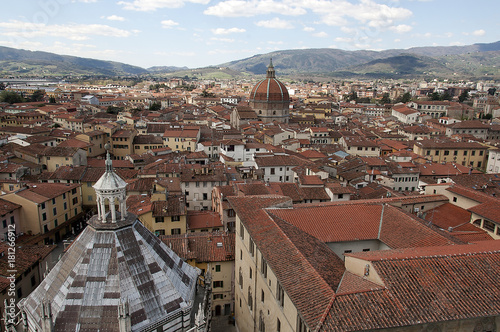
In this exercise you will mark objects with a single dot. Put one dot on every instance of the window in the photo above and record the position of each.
(473, 153)
(263, 267)
(481, 153)
(242, 231)
(454, 199)
(218, 296)
(230, 213)
(251, 272)
(446, 152)
(218, 284)
(278, 325)
(455, 153)
(54, 210)
(73, 191)
(240, 279)
(75, 200)
(340, 196)
(436, 153)
(197, 184)
(273, 171)
(64, 195)
(55, 223)
(159, 219)
(489, 226)
(33, 281)
(175, 218)
(44, 216)
(53, 201)
(65, 206)
(45, 228)
(262, 325)
(4, 223)
(217, 268)
(175, 231)
(251, 246)
(301, 325)
(89, 198)
(205, 196)
(160, 232)
(280, 295)
(250, 298)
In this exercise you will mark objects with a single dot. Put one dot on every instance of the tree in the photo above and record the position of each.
(463, 96)
(155, 106)
(446, 96)
(2, 86)
(406, 97)
(491, 91)
(10, 97)
(435, 96)
(206, 94)
(38, 95)
(352, 96)
(52, 100)
(385, 99)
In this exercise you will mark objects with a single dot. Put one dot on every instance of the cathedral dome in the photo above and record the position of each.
(270, 89)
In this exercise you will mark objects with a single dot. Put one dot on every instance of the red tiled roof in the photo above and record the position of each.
(202, 246)
(361, 221)
(203, 219)
(420, 288)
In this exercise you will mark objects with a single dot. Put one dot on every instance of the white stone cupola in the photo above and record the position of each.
(110, 189)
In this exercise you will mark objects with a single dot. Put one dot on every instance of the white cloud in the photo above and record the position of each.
(152, 5)
(275, 23)
(343, 40)
(223, 31)
(321, 34)
(15, 28)
(270, 42)
(397, 40)
(168, 24)
(331, 12)
(242, 8)
(115, 18)
(402, 28)
(224, 40)
(309, 29)
(480, 32)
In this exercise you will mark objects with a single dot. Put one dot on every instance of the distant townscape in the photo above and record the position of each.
(249, 204)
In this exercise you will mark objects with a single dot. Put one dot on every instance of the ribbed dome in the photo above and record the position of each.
(270, 89)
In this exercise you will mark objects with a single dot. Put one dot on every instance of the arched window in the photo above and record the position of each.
(262, 325)
(241, 279)
(250, 298)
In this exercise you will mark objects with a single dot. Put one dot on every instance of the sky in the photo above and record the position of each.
(199, 33)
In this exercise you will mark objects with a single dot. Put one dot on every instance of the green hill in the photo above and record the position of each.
(16, 62)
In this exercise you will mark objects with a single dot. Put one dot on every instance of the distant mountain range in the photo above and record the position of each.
(462, 62)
